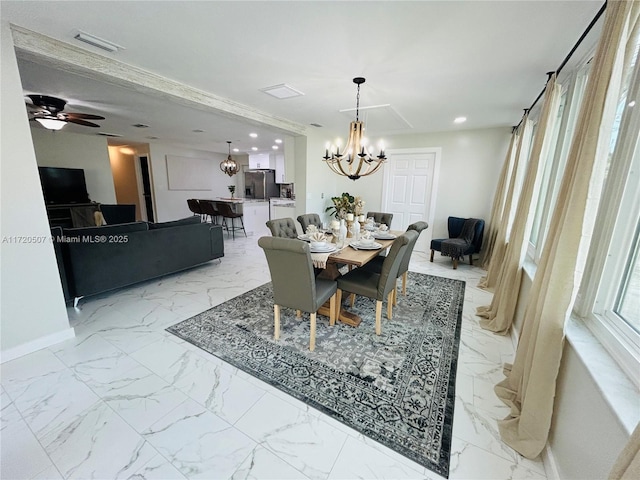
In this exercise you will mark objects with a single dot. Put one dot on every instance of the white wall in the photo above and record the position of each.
(470, 165)
(31, 301)
(74, 150)
(172, 204)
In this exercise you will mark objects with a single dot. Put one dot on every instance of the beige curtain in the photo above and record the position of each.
(498, 316)
(627, 465)
(524, 132)
(529, 388)
(491, 229)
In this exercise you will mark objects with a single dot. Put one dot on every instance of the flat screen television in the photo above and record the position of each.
(63, 185)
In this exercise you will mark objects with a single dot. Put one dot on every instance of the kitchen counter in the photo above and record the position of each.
(241, 200)
(282, 202)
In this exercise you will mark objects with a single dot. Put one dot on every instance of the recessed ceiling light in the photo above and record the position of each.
(316, 125)
(460, 120)
(106, 134)
(278, 140)
(197, 130)
(236, 149)
(632, 103)
(275, 147)
(254, 149)
(152, 137)
(282, 91)
(140, 125)
(253, 135)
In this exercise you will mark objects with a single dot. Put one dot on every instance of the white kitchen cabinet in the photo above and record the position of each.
(281, 172)
(255, 217)
(262, 161)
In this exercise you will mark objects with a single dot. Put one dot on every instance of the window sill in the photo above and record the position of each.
(617, 389)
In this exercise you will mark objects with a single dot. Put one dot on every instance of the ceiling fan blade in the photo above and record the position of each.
(84, 123)
(85, 116)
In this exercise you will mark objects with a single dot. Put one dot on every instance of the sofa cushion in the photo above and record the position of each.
(119, 229)
(176, 223)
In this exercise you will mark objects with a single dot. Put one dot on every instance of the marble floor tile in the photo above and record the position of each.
(198, 443)
(126, 399)
(98, 444)
(302, 440)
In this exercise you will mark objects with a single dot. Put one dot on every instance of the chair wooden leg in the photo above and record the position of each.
(332, 310)
(352, 298)
(455, 263)
(390, 305)
(431, 256)
(312, 335)
(378, 317)
(338, 302)
(394, 293)
(471, 260)
(276, 322)
(405, 277)
(298, 313)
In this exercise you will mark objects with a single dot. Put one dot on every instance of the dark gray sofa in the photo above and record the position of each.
(97, 259)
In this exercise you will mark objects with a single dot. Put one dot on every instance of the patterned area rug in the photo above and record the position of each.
(397, 388)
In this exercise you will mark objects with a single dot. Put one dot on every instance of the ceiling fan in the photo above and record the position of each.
(49, 113)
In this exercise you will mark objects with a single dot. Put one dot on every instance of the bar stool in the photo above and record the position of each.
(225, 210)
(210, 209)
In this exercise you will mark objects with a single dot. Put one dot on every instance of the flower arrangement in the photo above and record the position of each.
(344, 205)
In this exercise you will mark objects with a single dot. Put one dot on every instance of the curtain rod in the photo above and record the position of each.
(568, 57)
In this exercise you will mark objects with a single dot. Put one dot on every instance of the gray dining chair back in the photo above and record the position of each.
(294, 282)
(283, 228)
(309, 219)
(378, 286)
(381, 217)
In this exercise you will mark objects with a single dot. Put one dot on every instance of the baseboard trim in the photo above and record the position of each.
(550, 465)
(37, 344)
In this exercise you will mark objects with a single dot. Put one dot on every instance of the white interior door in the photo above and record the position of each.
(410, 187)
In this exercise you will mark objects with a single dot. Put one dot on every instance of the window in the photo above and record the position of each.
(554, 165)
(610, 294)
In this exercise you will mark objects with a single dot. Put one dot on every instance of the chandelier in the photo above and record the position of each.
(229, 166)
(357, 158)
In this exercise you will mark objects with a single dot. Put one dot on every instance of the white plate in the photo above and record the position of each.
(372, 246)
(384, 236)
(327, 249)
(304, 236)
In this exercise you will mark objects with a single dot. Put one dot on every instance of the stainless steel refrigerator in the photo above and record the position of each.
(260, 184)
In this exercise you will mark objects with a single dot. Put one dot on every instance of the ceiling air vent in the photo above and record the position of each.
(98, 42)
(282, 91)
(106, 134)
(316, 125)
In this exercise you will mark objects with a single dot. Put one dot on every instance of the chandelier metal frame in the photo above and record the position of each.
(355, 161)
(229, 166)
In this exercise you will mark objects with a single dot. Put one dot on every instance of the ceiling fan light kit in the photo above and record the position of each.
(357, 158)
(52, 117)
(229, 166)
(51, 123)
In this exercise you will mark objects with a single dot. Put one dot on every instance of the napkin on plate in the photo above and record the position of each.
(312, 229)
(383, 227)
(316, 236)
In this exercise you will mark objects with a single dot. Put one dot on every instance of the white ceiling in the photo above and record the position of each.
(427, 62)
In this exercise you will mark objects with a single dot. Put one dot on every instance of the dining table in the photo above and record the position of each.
(352, 257)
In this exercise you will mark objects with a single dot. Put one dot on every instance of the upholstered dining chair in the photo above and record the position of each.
(294, 283)
(403, 271)
(210, 209)
(378, 286)
(381, 217)
(283, 228)
(227, 213)
(309, 219)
